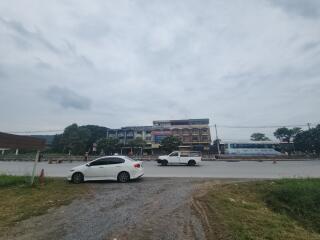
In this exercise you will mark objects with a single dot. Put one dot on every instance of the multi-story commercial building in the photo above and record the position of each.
(125, 134)
(191, 132)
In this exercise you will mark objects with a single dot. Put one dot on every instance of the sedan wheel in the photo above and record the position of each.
(123, 177)
(77, 178)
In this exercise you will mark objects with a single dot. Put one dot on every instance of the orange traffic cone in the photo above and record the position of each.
(41, 177)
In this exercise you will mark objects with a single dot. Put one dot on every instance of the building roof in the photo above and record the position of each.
(249, 141)
(196, 121)
(137, 128)
(21, 142)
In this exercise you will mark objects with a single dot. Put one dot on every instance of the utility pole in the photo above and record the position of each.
(217, 139)
(34, 167)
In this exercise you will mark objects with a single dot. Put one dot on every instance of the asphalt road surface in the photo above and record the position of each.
(149, 208)
(216, 169)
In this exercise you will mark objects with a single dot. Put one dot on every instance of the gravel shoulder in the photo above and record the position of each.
(150, 208)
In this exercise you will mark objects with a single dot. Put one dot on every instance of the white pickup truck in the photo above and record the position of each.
(184, 157)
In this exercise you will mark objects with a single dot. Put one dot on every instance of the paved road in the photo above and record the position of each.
(217, 169)
(149, 208)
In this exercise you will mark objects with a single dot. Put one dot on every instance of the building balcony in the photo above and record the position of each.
(186, 134)
(204, 133)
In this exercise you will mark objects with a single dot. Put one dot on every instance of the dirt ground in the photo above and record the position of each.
(150, 208)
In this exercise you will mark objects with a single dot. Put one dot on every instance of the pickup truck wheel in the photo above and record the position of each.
(164, 163)
(191, 163)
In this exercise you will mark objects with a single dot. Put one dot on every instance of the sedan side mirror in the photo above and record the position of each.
(88, 165)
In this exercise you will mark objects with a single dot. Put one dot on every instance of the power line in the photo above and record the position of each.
(36, 131)
(266, 126)
(220, 126)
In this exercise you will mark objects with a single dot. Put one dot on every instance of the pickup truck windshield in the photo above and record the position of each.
(174, 154)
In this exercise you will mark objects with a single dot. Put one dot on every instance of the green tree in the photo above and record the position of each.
(75, 139)
(78, 139)
(57, 145)
(283, 134)
(108, 145)
(295, 131)
(170, 143)
(96, 132)
(308, 141)
(137, 142)
(259, 137)
(286, 135)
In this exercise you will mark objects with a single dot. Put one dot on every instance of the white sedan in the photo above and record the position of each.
(120, 168)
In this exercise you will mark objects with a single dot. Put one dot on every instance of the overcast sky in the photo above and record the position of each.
(118, 63)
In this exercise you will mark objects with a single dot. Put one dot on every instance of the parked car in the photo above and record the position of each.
(120, 168)
(190, 158)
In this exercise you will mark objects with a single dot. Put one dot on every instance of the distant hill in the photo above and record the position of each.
(48, 138)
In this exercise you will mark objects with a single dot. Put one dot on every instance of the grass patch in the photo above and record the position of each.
(273, 210)
(20, 201)
(7, 180)
(299, 199)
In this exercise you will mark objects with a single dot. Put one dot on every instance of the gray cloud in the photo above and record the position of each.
(81, 60)
(3, 74)
(305, 8)
(311, 46)
(236, 62)
(67, 98)
(29, 36)
(27, 39)
(42, 65)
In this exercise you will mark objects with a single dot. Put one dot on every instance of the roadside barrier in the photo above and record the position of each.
(59, 158)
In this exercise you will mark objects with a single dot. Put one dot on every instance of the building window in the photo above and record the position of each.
(195, 138)
(195, 131)
(204, 131)
(129, 134)
(204, 138)
(185, 131)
